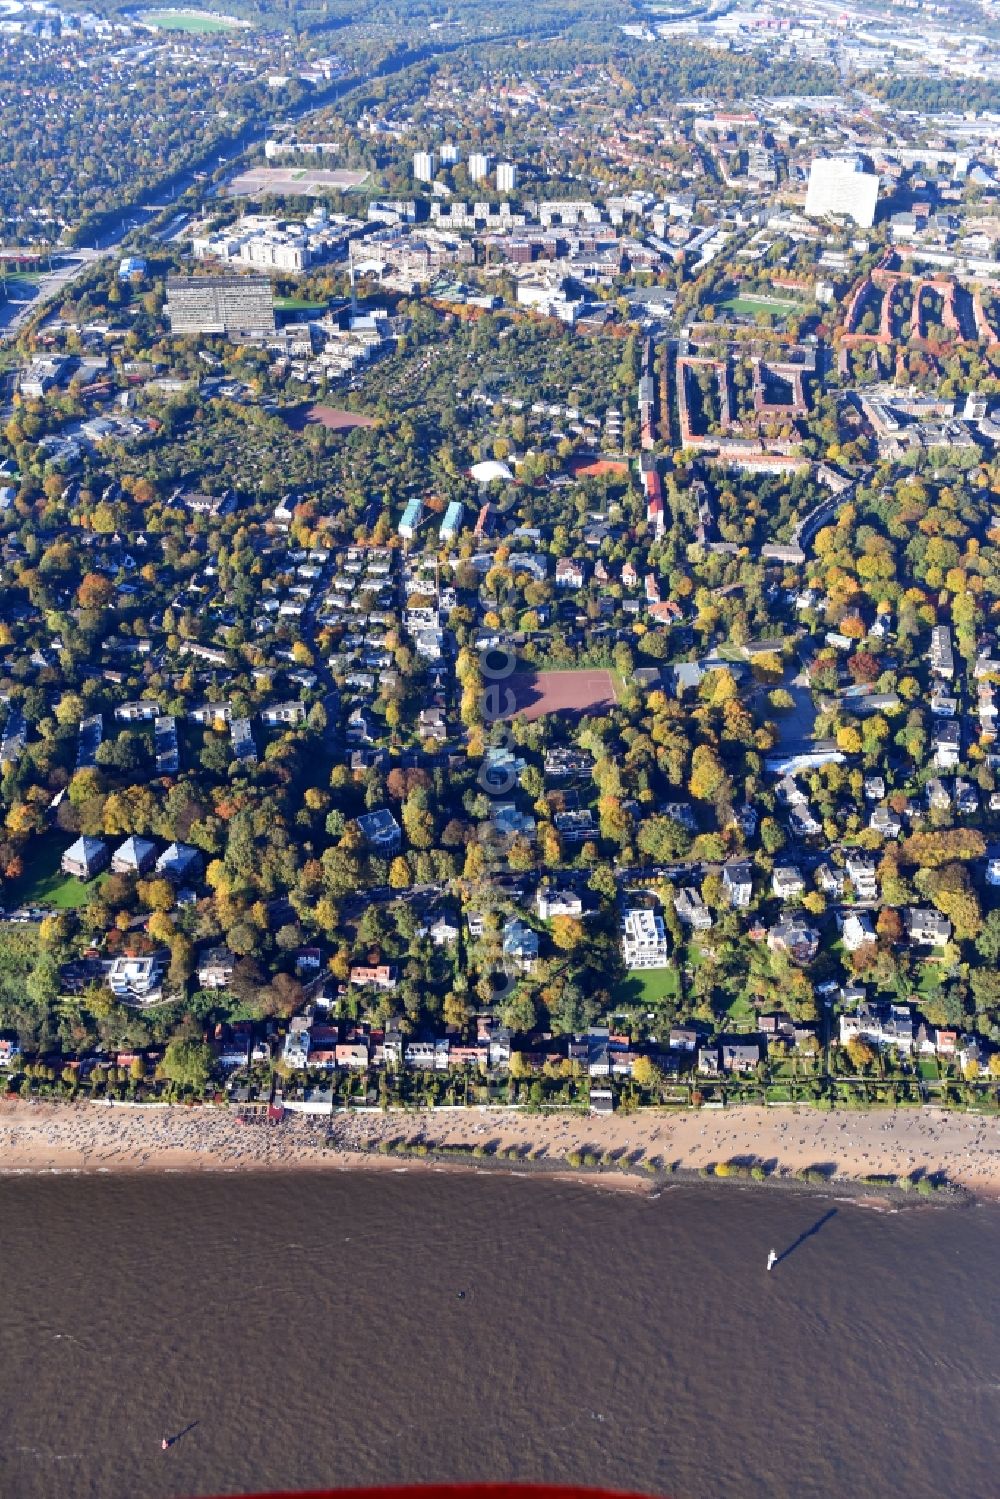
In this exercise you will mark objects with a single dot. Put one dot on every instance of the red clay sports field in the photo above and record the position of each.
(576, 692)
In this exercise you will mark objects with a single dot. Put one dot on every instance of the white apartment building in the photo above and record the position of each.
(840, 185)
(479, 166)
(506, 177)
(644, 940)
(137, 980)
(424, 166)
(292, 146)
(270, 243)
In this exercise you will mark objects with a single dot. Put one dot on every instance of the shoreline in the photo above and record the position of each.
(797, 1147)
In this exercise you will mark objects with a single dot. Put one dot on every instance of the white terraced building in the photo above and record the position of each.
(644, 940)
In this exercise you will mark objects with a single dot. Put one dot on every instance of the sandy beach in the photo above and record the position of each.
(90, 1137)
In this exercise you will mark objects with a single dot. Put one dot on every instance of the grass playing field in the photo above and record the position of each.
(187, 20)
(750, 306)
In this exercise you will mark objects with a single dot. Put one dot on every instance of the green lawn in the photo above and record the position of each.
(741, 1011)
(750, 306)
(932, 976)
(692, 955)
(648, 987)
(186, 20)
(43, 882)
(298, 304)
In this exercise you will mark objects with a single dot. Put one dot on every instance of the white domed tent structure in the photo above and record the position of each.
(490, 471)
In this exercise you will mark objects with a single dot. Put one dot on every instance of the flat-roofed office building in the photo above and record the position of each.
(220, 304)
(839, 185)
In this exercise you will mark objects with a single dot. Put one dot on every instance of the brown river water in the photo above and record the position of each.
(355, 1328)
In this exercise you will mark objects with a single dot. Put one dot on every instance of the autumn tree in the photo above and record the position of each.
(95, 591)
(647, 1074)
(187, 1063)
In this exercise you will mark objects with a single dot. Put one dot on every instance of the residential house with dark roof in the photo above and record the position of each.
(135, 856)
(946, 741)
(180, 862)
(927, 927)
(886, 822)
(787, 882)
(796, 938)
(551, 901)
(740, 1057)
(692, 910)
(737, 881)
(215, 968)
(85, 858)
(520, 946)
(380, 830)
